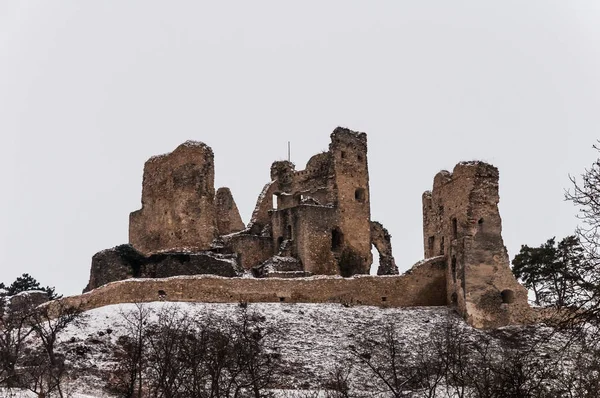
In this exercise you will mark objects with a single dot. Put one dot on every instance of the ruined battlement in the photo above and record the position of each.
(178, 210)
(461, 222)
(312, 222)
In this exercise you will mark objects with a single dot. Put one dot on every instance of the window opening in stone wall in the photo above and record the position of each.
(454, 228)
(480, 225)
(508, 296)
(454, 269)
(281, 298)
(274, 202)
(359, 194)
(384, 298)
(343, 155)
(442, 246)
(289, 232)
(430, 245)
(337, 239)
(279, 242)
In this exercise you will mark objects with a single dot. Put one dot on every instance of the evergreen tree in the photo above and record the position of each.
(25, 283)
(554, 272)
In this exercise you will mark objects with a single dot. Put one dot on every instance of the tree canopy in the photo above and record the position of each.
(553, 271)
(25, 283)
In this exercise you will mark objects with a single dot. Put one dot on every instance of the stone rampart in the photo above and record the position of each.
(422, 286)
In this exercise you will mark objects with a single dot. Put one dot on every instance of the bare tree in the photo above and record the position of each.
(45, 368)
(127, 380)
(15, 328)
(386, 360)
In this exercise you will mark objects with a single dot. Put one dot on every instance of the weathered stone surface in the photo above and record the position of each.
(382, 240)
(280, 267)
(461, 221)
(250, 249)
(178, 209)
(319, 220)
(228, 215)
(28, 299)
(322, 213)
(123, 262)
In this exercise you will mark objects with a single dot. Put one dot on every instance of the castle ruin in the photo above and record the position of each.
(308, 223)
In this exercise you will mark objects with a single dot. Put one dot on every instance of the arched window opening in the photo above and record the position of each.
(337, 239)
(275, 202)
(289, 232)
(454, 228)
(454, 269)
(442, 246)
(360, 195)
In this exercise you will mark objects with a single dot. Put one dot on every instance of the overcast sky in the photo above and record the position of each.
(90, 90)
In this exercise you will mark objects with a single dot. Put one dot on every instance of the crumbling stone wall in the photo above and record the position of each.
(461, 222)
(349, 152)
(251, 249)
(322, 213)
(261, 216)
(125, 262)
(227, 213)
(178, 210)
(423, 286)
(381, 239)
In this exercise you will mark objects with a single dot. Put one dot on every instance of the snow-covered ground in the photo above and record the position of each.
(315, 336)
(314, 339)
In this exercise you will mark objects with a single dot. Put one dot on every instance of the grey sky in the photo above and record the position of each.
(90, 90)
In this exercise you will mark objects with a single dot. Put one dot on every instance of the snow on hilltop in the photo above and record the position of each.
(315, 336)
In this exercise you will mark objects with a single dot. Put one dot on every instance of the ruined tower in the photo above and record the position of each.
(321, 215)
(178, 202)
(349, 152)
(461, 222)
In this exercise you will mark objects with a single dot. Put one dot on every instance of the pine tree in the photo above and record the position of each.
(554, 272)
(25, 283)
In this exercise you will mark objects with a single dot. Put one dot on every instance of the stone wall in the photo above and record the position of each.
(461, 222)
(349, 152)
(381, 239)
(423, 286)
(227, 213)
(251, 249)
(178, 210)
(124, 262)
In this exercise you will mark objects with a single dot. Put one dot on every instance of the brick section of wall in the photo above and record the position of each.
(422, 286)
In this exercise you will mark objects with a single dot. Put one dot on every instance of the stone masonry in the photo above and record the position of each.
(461, 222)
(178, 202)
(315, 221)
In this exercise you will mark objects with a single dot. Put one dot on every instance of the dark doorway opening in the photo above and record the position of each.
(337, 239)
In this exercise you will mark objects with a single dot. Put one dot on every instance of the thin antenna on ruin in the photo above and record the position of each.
(289, 157)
